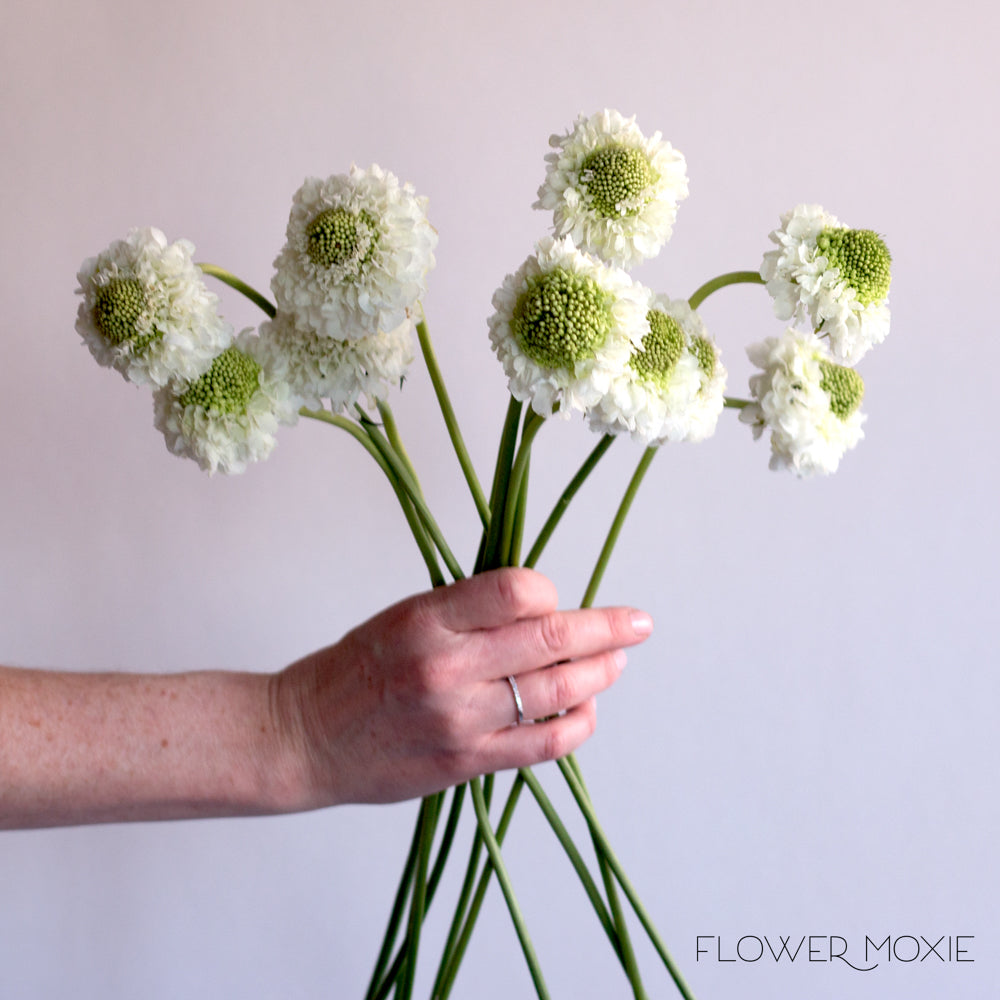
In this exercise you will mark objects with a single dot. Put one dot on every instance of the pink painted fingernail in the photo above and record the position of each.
(642, 624)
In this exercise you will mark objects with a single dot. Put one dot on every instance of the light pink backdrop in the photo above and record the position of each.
(807, 746)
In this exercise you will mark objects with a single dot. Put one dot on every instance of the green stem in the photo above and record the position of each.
(241, 286)
(520, 512)
(576, 859)
(532, 424)
(428, 824)
(735, 404)
(416, 526)
(496, 860)
(601, 839)
(489, 557)
(602, 563)
(461, 928)
(396, 916)
(380, 987)
(730, 278)
(564, 501)
(451, 422)
(628, 958)
(392, 433)
(413, 490)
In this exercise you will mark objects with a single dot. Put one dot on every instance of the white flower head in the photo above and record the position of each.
(808, 402)
(837, 278)
(357, 253)
(564, 325)
(672, 388)
(228, 417)
(146, 311)
(612, 189)
(343, 371)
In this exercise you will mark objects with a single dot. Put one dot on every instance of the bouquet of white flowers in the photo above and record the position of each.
(574, 333)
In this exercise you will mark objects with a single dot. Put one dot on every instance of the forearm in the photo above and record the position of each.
(97, 748)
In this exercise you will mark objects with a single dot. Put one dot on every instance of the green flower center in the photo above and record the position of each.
(227, 386)
(845, 387)
(862, 258)
(119, 306)
(339, 238)
(615, 178)
(704, 350)
(561, 318)
(662, 348)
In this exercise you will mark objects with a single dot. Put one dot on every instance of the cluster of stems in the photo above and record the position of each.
(503, 519)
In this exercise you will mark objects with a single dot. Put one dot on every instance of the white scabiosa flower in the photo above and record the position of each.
(146, 311)
(357, 252)
(672, 388)
(808, 402)
(564, 325)
(226, 418)
(342, 371)
(612, 189)
(837, 278)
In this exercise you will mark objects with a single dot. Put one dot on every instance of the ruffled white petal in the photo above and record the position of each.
(581, 386)
(807, 437)
(686, 408)
(227, 442)
(376, 292)
(341, 371)
(180, 323)
(806, 289)
(641, 228)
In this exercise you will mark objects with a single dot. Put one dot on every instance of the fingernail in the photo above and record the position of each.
(642, 624)
(620, 659)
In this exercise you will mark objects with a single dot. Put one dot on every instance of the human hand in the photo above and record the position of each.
(417, 699)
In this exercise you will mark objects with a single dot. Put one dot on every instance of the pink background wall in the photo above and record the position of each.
(808, 744)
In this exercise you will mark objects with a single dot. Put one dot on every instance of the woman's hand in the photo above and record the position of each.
(417, 698)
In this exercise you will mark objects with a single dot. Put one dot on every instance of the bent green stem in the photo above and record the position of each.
(416, 526)
(616, 526)
(489, 557)
(518, 478)
(398, 467)
(396, 916)
(462, 924)
(451, 422)
(506, 886)
(418, 904)
(600, 838)
(564, 500)
(575, 858)
(730, 278)
(241, 286)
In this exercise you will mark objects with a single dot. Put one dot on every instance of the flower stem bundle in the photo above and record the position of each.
(576, 336)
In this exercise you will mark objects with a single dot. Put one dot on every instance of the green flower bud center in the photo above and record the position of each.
(704, 350)
(845, 387)
(119, 306)
(615, 178)
(340, 238)
(561, 318)
(662, 348)
(227, 386)
(862, 258)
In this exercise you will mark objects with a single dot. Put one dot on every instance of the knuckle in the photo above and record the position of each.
(553, 634)
(563, 688)
(509, 588)
(557, 743)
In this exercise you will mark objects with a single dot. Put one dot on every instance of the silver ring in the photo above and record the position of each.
(517, 698)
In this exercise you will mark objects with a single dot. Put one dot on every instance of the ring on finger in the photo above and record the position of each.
(517, 699)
